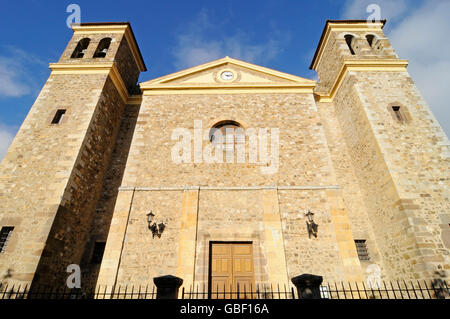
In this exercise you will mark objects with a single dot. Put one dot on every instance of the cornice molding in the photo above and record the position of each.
(134, 99)
(223, 61)
(230, 188)
(367, 65)
(165, 85)
(227, 89)
(101, 68)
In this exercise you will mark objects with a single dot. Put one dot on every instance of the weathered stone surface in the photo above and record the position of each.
(97, 174)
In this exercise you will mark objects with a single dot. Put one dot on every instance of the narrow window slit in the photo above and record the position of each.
(399, 114)
(5, 235)
(58, 116)
(361, 249)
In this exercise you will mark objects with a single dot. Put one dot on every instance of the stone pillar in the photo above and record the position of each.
(188, 236)
(273, 238)
(167, 286)
(344, 236)
(308, 286)
(111, 258)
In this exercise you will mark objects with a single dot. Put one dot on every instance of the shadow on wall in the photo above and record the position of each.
(110, 190)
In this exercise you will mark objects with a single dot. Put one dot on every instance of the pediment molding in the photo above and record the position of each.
(244, 77)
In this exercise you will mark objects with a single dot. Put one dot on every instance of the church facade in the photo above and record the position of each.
(226, 173)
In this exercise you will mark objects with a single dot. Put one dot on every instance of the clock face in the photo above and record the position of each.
(227, 75)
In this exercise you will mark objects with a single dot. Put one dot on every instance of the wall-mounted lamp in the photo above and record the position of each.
(311, 225)
(150, 218)
(157, 229)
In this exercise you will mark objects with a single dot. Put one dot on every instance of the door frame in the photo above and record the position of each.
(211, 242)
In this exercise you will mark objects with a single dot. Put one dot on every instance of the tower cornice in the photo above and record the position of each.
(114, 27)
(98, 68)
(344, 25)
(368, 65)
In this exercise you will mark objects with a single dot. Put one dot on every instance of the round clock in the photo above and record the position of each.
(227, 75)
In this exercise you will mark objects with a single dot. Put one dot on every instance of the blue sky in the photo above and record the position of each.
(173, 35)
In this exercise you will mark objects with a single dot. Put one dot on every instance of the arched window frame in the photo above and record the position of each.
(371, 39)
(350, 40)
(237, 137)
(80, 49)
(102, 48)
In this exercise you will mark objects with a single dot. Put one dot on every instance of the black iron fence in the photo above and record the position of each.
(263, 291)
(47, 292)
(385, 290)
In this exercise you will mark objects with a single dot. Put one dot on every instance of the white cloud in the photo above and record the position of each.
(195, 46)
(15, 77)
(16, 80)
(10, 84)
(6, 136)
(420, 35)
(422, 39)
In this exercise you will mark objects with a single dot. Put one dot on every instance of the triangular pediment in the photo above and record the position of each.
(227, 73)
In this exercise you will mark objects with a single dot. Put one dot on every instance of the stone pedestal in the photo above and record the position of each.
(167, 286)
(308, 286)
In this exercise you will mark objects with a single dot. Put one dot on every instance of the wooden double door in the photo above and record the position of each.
(231, 270)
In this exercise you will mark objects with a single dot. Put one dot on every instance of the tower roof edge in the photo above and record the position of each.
(108, 26)
(356, 22)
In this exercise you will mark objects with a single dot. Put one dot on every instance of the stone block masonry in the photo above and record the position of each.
(360, 149)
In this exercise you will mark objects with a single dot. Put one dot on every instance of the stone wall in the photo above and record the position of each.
(201, 202)
(348, 180)
(304, 158)
(145, 256)
(105, 207)
(401, 169)
(119, 52)
(70, 229)
(95, 39)
(51, 177)
(38, 167)
(336, 51)
(310, 255)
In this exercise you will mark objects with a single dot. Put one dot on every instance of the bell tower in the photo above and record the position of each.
(51, 177)
(398, 150)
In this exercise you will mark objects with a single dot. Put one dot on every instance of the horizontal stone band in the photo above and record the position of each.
(182, 188)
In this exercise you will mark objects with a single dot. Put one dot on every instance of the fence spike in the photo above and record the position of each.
(406, 288)
(386, 290)
(393, 290)
(351, 290)
(357, 290)
(400, 289)
(11, 292)
(414, 290)
(25, 292)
